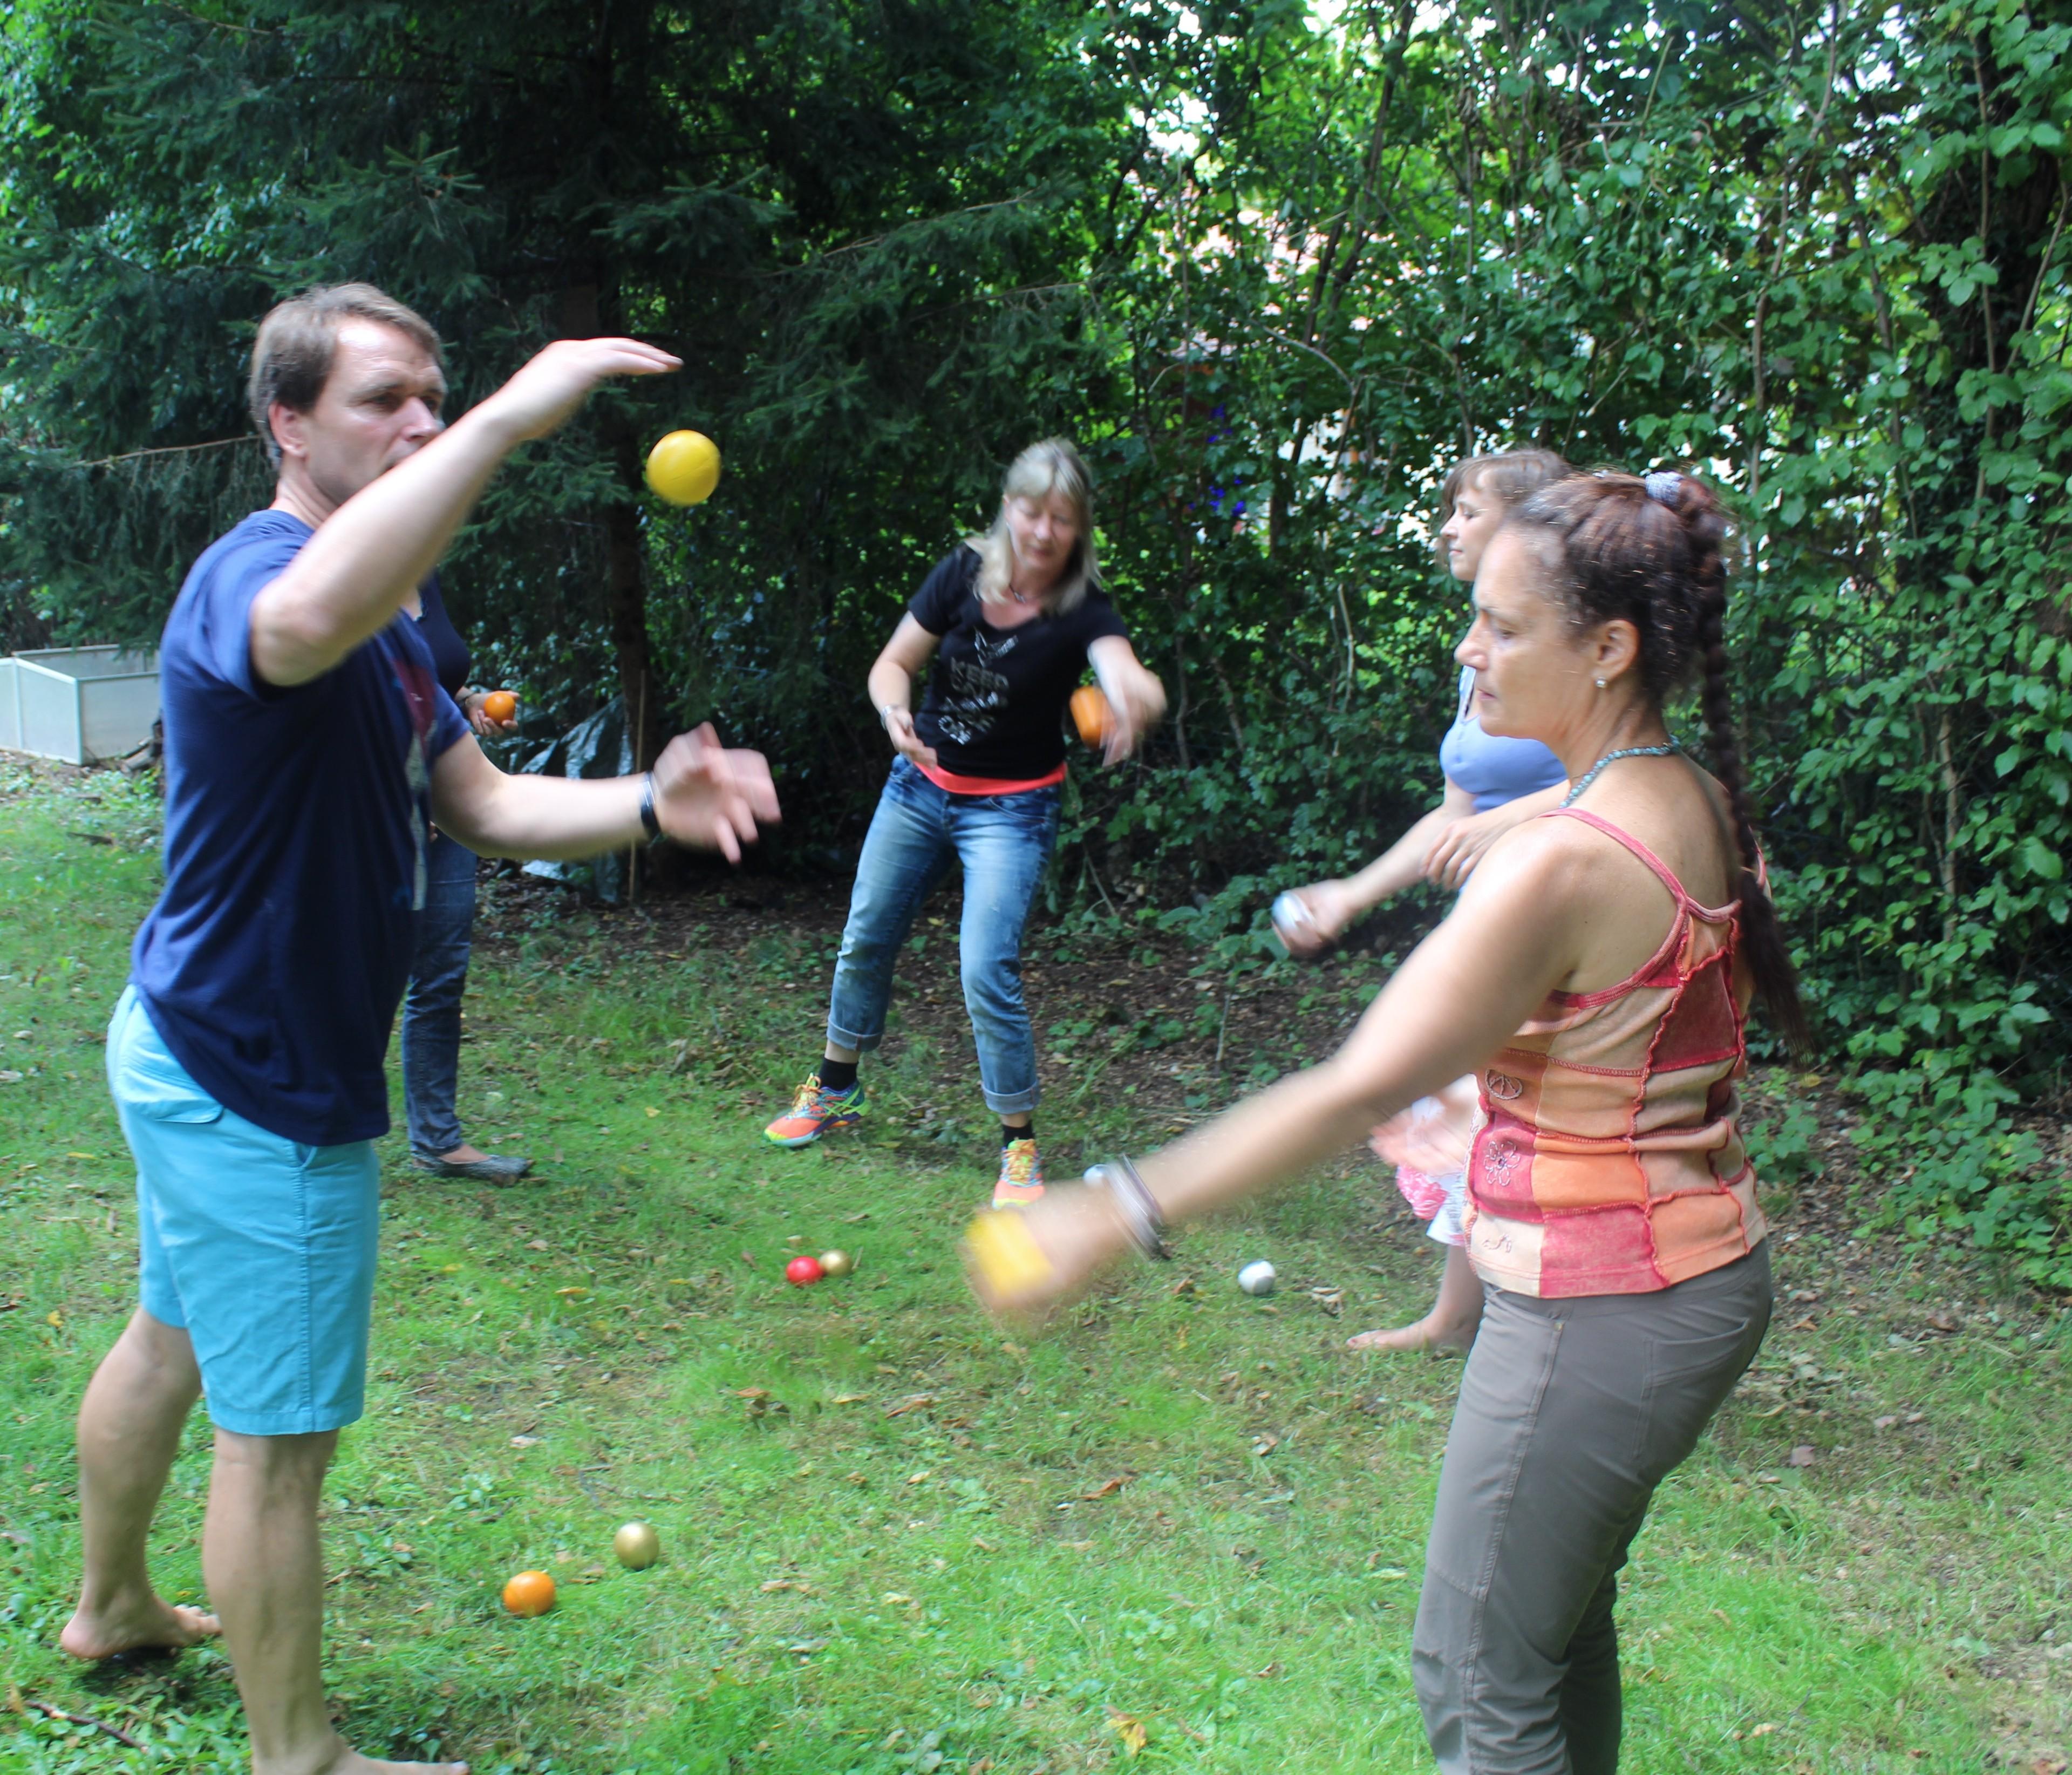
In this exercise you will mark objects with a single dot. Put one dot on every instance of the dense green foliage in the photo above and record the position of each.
(1275, 269)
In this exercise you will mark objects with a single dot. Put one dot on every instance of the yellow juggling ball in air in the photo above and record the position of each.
(684, 468)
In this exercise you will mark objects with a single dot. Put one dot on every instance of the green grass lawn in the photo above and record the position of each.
(1181, 1526)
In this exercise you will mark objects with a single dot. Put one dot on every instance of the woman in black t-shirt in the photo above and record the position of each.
(1012, 620)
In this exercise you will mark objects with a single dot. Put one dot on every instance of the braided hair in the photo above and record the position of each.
(1649, 550)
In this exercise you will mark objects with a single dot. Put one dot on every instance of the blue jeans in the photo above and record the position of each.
(1004, 842)
(431, 1013)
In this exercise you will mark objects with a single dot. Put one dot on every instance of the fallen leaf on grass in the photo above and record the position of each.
(1883, 1423)
(912, 1402)
(523, 1442)
(1106, 1488)
(1129, 1729)
(851, 1398)
(1184, 1286)
(1265, 1443)
(535, 1245)
(920, 1478)
(1803, 1456)
(804, 1588)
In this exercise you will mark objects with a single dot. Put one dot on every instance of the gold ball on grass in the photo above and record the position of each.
(638, 1547)
(684, 468)
(837, 1263)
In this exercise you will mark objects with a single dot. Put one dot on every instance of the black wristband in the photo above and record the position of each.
(649, 823)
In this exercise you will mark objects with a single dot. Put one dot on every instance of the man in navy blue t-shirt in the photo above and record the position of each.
(308, 745)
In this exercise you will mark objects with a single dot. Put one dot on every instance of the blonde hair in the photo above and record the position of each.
(1051, 469)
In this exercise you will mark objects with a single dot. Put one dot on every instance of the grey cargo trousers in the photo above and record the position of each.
(1571, 1412)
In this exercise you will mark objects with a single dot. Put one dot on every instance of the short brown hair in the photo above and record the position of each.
(1507, 477)
(292, 356)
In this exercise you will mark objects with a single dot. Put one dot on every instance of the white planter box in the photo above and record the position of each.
(80, 704)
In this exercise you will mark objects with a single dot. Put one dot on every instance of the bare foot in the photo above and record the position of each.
(344, 1760)
(150, 1625)
(1431, 1332)
(349, 1761)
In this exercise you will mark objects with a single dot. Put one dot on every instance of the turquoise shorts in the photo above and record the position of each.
(260, 1248)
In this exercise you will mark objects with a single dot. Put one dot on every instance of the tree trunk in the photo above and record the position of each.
(626, 583)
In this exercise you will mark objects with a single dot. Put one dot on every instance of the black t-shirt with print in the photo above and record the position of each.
(995, 698)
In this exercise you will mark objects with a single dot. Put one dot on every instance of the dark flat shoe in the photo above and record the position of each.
(494, 1167)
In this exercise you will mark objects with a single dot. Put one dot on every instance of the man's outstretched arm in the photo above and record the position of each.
(349, 580)
(705, 796)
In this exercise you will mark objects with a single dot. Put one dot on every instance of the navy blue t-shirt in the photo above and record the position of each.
(295, 832)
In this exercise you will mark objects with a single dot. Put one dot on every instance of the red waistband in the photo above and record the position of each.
(950, 783)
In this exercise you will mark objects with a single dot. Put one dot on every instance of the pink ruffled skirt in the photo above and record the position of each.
(1427, 1143)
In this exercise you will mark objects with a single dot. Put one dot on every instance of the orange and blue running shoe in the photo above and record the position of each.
(1020, 1176)
(815, 1111)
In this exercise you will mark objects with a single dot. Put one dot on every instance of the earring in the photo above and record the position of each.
(1600, 684)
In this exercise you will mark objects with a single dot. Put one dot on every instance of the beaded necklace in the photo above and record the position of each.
(1590, 775)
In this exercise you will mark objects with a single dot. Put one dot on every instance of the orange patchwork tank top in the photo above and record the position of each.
(1608, 1161)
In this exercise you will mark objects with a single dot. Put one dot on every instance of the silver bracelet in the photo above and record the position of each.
(1138, 1207)
(885, 715)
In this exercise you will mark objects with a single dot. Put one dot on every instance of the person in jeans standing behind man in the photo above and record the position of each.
(307, 748)
(1012, 620)
(1595, 976)
(445, 936)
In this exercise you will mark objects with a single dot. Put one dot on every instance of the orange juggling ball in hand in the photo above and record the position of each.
(500, 706)
(1091, 715)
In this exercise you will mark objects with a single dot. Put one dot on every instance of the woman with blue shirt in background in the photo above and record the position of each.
(1492, 784)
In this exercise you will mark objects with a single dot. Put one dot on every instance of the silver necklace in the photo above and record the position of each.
(1590, 775)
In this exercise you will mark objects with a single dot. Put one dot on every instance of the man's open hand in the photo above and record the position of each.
(556, 381)
(709, 797)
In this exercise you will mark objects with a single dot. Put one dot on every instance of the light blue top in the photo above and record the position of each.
(1490, 768)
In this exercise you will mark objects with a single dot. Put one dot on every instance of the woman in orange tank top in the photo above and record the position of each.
(1594, 976)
